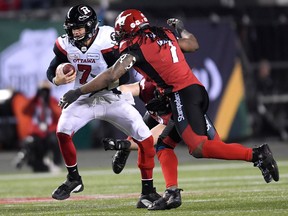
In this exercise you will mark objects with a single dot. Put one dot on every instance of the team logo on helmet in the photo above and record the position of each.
(128, 23)
(122, 19)
(85, 12)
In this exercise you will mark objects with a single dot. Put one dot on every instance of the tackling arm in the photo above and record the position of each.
(121, 66)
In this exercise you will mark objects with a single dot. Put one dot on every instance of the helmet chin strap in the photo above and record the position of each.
(80, 41)
(96, 26)
(81, 45)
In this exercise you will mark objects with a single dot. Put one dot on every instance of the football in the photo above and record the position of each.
(66, 67)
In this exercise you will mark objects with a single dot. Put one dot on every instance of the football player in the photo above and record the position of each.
(90, 49)
(157, 105)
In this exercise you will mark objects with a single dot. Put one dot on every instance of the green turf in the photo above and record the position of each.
(215, 188)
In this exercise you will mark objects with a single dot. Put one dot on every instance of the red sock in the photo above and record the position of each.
(221, 150)
(146, 153)
(169, 164)
(67, 149)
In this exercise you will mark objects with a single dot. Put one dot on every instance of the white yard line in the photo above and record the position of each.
(192, 167)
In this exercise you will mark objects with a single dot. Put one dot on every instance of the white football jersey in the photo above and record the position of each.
(90, 63)
(116, 109)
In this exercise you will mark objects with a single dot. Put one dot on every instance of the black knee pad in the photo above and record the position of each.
(160, 145)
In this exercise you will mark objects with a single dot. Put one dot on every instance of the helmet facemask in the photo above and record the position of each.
(120, 35)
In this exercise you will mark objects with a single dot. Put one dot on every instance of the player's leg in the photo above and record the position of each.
(212, 133)
(70, 121)
(191, 125)
(265, 168)
(126, 118)
(168, 161)
(169, 165)
(54, 148)
(129, 143)
(124, 146)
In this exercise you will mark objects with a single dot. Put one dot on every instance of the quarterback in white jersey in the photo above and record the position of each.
(90, 49)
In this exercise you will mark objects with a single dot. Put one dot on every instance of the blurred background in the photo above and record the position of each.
(242, 61)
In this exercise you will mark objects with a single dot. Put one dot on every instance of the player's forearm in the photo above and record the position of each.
(189, 43)
(188, 35)
(99, 82)
(51, 69)
(121, 66)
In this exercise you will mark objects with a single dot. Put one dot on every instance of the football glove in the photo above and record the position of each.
(69, 97)
(159, 106)
(176, 24)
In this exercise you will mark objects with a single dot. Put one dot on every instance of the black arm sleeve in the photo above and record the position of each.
(58, 59)
(52, 68)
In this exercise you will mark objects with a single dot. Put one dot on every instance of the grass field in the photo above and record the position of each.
(214, 188)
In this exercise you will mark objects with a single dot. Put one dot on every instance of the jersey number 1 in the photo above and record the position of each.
(173, 51)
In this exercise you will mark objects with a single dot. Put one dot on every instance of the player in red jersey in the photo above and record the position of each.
(156, 103)
(155, 53)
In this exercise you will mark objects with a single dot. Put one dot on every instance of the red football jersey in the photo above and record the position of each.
(160, 60)
(146, 94)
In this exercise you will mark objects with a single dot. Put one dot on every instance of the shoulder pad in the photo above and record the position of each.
(64, 36)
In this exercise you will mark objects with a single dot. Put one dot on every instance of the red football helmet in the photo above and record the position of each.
(129, 22)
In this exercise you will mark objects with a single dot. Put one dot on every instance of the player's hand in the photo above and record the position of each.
(69, 97)
(62, 78)
(177, 24)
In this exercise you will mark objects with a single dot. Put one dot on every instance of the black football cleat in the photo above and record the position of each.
(147, 199)
(116, 144)
(170, 199)
(69, 186)
(119, 160)
(263, 159)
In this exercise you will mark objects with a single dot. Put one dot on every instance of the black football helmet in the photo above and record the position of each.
(81, 16)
